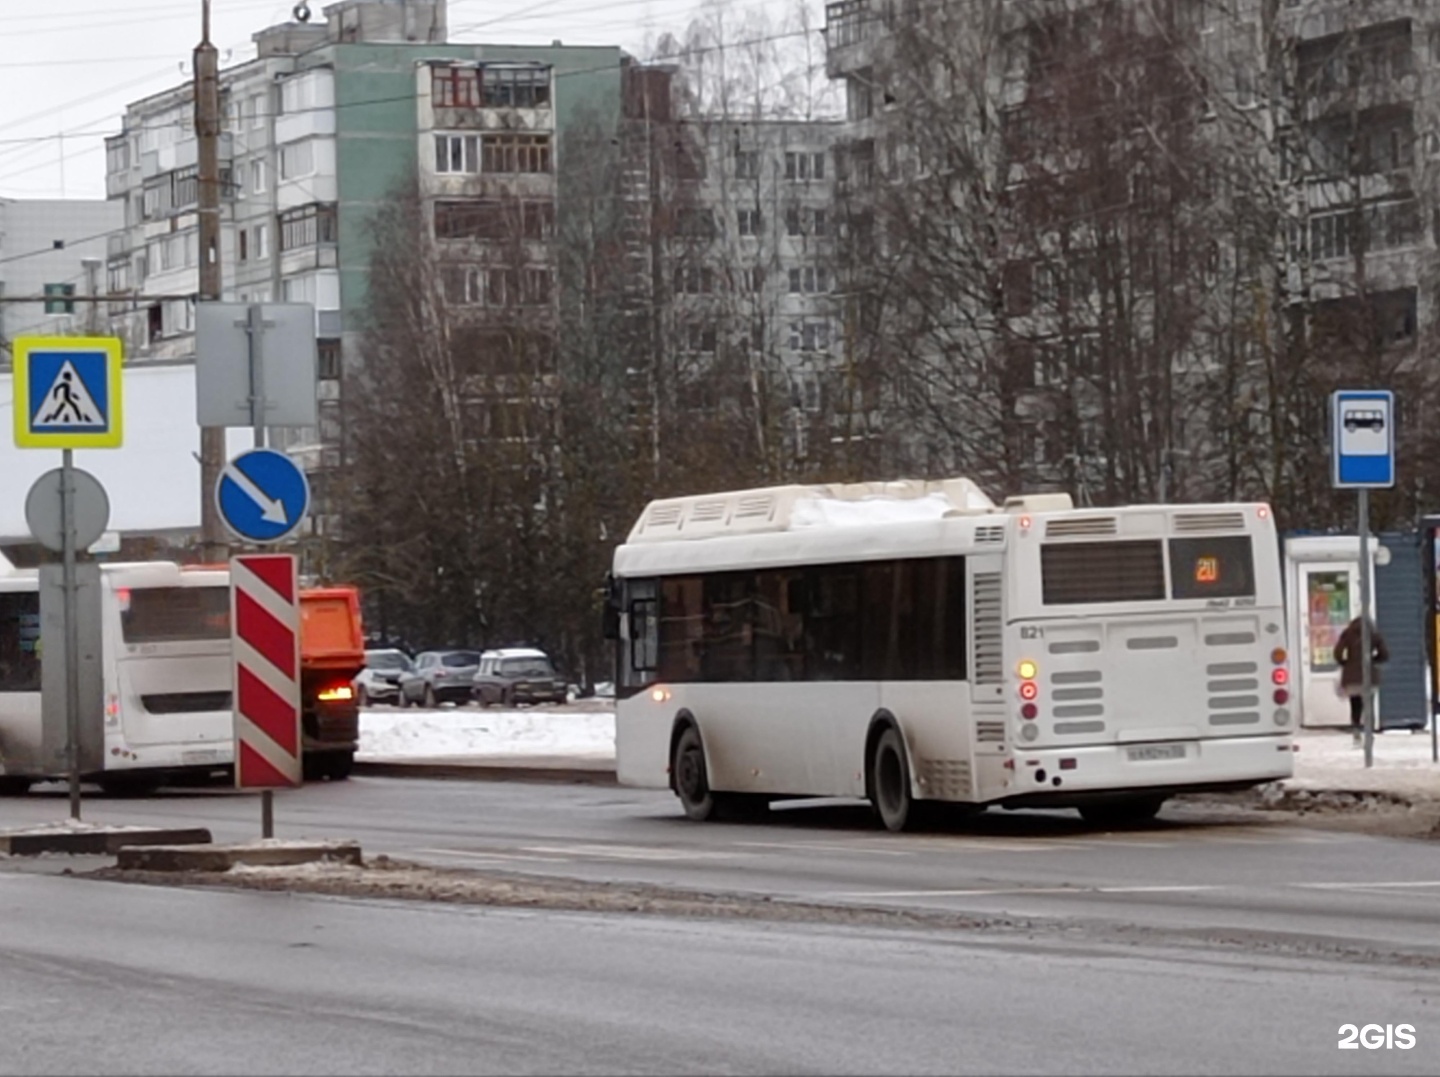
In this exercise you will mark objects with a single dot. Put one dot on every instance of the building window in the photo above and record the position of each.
(809, 280)
(493, 219)
(117, 155)
(258, 110)
(516, 153)
(457, 153)
(747, 164)
(58, 299)
(805, 391)
(698, 337)
(297, 159)
(184, 188)
(809, 336)
(792, 222)
(695, 223)
(307, 226)
(819, 223)
(694, 280)
(539, 285)
(747, 222)
(327, 359)
(257, 177)
(454, 87)
(244, 244)
(262, 241)
(804, 166)
(515, 87)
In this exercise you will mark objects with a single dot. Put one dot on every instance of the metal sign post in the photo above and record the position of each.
(1362, 424)
(68, 396)
(255, 365)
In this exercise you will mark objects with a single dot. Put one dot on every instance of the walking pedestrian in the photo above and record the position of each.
(1349, 650)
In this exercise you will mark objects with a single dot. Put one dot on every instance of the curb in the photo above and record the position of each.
(215, 858)
(109, 842)
(486, 773)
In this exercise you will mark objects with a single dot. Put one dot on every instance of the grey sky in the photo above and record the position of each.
(70, 66)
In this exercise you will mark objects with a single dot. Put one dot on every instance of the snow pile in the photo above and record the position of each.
(395, 734)
(1332, 760)
(76, 826)
(834, 512)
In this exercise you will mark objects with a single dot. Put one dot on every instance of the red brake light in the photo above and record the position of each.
(1280, 676)
(1029, 690)
(1282, 695)
(1029, 711)
(336, 692)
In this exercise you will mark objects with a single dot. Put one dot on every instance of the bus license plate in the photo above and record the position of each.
(200, 755)
(1156, 751)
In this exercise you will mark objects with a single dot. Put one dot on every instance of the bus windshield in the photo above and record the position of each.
(175, 614)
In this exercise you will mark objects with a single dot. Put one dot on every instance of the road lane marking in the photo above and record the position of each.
(1151, 889)
(626, 852)
(1368, 885)
(476, 854)
(1022, 891)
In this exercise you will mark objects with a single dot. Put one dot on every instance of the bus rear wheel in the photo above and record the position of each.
(890, 782)
(1120, 812)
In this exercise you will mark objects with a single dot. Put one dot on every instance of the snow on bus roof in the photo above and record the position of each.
(832, 512)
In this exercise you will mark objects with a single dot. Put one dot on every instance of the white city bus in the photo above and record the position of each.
(165, 650)
(912, 642)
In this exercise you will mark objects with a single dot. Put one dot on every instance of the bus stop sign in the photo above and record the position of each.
(1362, 439)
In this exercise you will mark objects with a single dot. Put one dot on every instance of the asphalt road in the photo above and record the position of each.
(1215, 875)
(101, 977)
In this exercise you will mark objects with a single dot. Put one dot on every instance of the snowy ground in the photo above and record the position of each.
(1326, 760)
(585, 730)
(1331, 760)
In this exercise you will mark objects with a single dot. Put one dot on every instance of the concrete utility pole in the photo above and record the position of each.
(207, 138)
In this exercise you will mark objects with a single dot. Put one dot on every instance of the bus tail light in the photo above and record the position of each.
(336, 693)
(1282, 695)
(1029, 711)
(1263, 512)
(1028, 690)
(1278, 656)
(1280, 675)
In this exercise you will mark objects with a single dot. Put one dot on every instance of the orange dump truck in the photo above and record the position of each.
(332, 654)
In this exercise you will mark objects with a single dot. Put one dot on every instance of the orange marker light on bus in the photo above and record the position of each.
(1027, 669)
(1278, 656)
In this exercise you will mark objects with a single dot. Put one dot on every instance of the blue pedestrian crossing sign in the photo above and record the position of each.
(1362, 438)
(262, 496)
(68, 393)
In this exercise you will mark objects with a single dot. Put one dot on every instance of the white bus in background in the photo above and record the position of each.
(913, 642)
(166, 656)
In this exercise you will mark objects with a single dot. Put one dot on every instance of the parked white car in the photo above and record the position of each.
(379, 681)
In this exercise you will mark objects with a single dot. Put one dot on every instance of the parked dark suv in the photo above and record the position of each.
(439, 677)
(517, 675)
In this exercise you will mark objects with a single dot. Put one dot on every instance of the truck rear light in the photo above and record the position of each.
(336, 693)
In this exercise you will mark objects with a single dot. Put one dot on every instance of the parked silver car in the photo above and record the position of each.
(439, 677)
(517, 675)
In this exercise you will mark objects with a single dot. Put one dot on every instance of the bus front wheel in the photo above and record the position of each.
(890, 782)
(692, 783)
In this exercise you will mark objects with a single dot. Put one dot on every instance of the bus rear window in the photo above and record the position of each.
(175, 614)
(1075, 573)
(1212, 567)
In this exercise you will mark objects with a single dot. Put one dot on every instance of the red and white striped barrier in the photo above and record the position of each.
(265, 634)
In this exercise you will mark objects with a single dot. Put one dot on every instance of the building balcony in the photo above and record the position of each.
(852, 29)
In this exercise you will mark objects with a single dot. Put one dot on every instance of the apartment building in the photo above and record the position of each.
(731, 234)
(1293, 244)
(55, 248)
(325, 125)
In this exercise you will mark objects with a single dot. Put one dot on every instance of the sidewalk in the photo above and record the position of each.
(1330, 761)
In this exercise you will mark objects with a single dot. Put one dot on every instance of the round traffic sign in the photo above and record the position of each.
(42, 509)
(263, 496)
